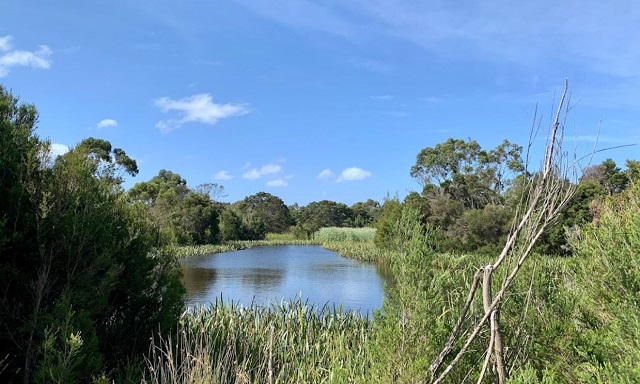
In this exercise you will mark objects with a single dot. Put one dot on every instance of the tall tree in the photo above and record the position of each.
(269, 209)
(181, 215)
(467, 173)
(82, 288)
(365, 214)
(608, 175)
(320, 214)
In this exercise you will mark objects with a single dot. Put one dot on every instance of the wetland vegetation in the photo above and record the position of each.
(91, 286)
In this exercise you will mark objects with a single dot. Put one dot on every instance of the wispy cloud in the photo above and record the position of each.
(10, 58)
(265, 170)
(304, 15)
(353, 174)
(277, 183)
(325, 174)
(222, 175)
(198, 108)
(107, 123)
(588, 34)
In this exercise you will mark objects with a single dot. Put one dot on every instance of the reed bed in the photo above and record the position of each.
(352, 235)
(365, 251)
(208, 249)
(291, 342)
(288, 236)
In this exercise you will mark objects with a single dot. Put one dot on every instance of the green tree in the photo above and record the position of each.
(269, 209)
(320, 214)
(181, 215)
(467, 173)
(607, 174)
(386, 227)
(365, 214)
(76, 259)
(231, 227)
(481, 230)
(633, 170)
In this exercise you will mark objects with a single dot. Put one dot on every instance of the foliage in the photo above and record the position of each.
(481, 230)
(320, 214)
(286, 343)
(83, 289)
(365, 214)
(234, 227)
(608, 176)
(269, 209)
(466, 172)
(180, 215)
(386, 225)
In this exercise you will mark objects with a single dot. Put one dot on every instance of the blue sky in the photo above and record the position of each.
(312, 100)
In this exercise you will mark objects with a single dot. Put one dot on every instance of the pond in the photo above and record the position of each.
(271, 274)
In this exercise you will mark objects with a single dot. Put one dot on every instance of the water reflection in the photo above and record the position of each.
(265, 275)
(262, 278)
(197, 280)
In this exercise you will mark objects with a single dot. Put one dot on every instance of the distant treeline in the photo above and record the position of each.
(469, 196)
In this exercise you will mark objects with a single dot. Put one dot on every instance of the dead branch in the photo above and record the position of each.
(547, 196)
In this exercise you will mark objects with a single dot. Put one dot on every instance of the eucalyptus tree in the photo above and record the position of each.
(467, 173)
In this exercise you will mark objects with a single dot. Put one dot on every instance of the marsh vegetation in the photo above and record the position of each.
(91, 286)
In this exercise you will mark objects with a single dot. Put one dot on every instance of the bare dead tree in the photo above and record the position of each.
(547, 194)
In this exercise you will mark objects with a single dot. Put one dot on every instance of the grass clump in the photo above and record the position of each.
(291, 342)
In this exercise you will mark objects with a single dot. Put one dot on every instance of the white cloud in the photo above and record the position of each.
(106, 123)
(5, 43)
(265, 170)
(222, 175)
(353, 174)
(277, 183)
(15, 58)
(58, 150)
(198, 108)
(325, 174)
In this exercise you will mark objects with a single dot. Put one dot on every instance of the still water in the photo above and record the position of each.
(267, 275)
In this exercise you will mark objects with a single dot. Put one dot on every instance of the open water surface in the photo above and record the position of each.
(271, 274)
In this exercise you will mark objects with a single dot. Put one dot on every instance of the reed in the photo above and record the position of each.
(292, 342)
(352, 235)
(208, 249)
(364, 251)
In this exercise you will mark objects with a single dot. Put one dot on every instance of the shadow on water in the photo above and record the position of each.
(196, 280)
(262, 278)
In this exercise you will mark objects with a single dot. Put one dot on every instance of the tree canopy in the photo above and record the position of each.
(82, 287)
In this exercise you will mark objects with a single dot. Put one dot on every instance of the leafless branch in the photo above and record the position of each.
(547, 195)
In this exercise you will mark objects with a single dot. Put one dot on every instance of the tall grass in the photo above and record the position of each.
(287, 343)
(365, 251)
(353, 235)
